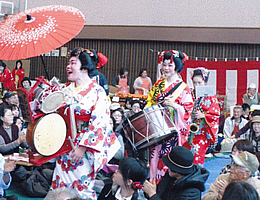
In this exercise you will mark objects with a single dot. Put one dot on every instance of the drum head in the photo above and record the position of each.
(49, 134)
(52, 102)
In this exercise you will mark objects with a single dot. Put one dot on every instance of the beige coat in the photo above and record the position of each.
(212, 193)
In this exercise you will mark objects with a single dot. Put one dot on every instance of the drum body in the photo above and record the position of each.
(50, 99)
(149, 127)
(47, 135)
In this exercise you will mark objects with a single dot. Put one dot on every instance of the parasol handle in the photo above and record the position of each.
(45, 69)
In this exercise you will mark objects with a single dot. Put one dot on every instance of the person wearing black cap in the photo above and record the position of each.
(9, 99)
(183, 180)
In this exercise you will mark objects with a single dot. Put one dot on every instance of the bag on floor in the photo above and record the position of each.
(36, 185)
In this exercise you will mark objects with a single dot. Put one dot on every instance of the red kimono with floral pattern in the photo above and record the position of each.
(199, 142)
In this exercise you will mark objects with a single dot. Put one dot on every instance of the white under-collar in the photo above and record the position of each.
(119, 197)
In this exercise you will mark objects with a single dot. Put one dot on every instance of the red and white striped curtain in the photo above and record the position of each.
(231, 78)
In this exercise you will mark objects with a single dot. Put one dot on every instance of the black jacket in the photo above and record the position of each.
(186, 188)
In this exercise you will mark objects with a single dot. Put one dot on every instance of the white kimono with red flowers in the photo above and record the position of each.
(91, 106)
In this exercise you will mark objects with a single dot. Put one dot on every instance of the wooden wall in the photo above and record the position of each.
(136, 55)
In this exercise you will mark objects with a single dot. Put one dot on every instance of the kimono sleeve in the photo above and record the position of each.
(98, 135)
(212, 117)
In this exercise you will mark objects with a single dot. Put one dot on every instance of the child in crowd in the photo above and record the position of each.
(127, 181)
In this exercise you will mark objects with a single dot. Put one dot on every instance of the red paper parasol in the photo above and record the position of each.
(38, 30)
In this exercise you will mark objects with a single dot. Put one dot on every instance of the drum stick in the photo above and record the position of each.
(72, 123)
(71, 143)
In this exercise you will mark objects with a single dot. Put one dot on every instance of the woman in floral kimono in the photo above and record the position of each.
(95, 143)
(206, 117)
(176, 96)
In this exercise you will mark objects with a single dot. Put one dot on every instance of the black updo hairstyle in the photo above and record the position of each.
(19, 61)
(177, 60)
(198, 72)
(84, 57)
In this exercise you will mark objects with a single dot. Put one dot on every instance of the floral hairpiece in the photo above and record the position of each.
(137, 185)
(204, 71)
(80, 51)
(175, 53)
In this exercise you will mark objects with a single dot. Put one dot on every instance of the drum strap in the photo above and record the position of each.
(178, 91)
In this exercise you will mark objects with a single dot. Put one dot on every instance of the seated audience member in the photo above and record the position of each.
(248, 125)
(127, 181)
(15, 110)
(184, 180)
(6, 166)
(9, 99)
(10, 140)
(118, 115)
(62, 194)
(242, 168)
(254, 136)
(245, 111)
(10, 136)
(252, 97)
(18, 122)
(240, 191)
(26, 83)
(135, 108)
(127, 105)
(233, 124)
(239, 147)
